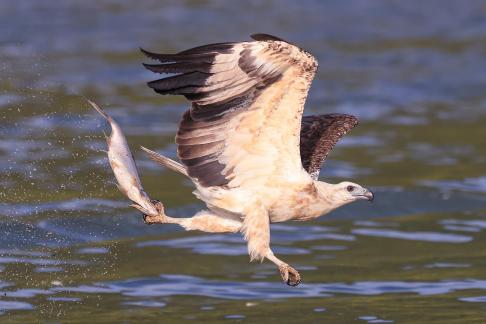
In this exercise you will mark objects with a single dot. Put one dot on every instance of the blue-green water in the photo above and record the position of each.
(71, 251)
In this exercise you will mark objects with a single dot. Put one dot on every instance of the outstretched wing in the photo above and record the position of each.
(318, 136)
(247, 102)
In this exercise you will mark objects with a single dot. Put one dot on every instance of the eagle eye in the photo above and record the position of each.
(350, 188)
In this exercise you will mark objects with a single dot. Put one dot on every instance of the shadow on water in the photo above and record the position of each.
(70, 248)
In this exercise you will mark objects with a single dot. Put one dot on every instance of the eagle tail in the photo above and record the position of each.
(165, 161)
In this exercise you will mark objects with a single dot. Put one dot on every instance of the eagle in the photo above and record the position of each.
(253, 159)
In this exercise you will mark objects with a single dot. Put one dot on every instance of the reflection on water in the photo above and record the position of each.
(171, 285)
(70, 248)
(374, 319)
(447, 265)
(414, 236)
(476, 299)
(14, 305)
(469, 184)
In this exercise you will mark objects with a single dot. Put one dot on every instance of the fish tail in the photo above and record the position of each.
(98, 109)
(165, 161)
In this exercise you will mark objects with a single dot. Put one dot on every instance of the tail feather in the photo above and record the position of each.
(165, 161)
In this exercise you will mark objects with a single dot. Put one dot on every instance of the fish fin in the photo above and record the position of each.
(107, 138)
(165, 161)
(140, 208)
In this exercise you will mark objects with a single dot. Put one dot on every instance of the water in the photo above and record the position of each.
(71, 249)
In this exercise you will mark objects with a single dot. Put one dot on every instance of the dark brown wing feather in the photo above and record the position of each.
(318, 136)
(221, 80)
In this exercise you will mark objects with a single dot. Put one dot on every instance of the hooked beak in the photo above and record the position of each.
(369, 195)
(364, 194)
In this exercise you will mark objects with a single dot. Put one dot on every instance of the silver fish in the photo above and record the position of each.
(124, 167)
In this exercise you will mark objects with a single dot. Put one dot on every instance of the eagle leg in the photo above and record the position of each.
(204, 221)
(161, 218)
(256, 229)
(289, 275)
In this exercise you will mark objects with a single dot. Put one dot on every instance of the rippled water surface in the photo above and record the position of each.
(71, 249)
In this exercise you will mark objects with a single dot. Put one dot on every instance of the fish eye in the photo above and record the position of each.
(350, 188)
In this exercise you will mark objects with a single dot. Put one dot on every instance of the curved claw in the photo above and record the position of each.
(289, 275)
(158, 219)
(159, 206)
(147, 219)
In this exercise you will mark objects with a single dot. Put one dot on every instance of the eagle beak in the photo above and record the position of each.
(363, 194)
(369, 195)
